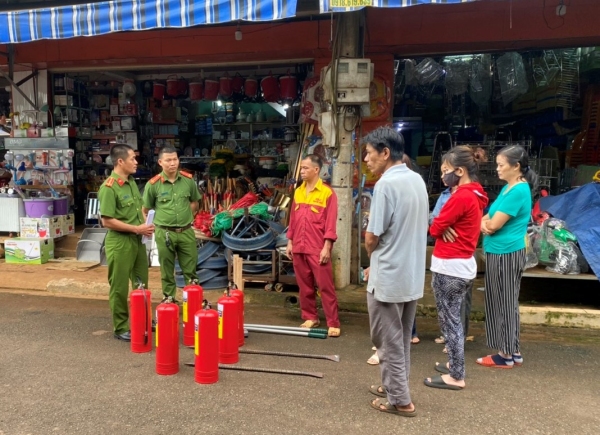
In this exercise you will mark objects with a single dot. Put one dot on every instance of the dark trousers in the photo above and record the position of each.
(391, 324)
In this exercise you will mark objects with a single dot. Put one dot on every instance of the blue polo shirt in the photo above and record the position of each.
(516, 203)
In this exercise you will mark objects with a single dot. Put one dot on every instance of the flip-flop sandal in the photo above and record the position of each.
(391, 409)
(375, 389)
(518, 359)
(334, 332)
(440, 340)
(374, 360)
(438, 382)
(495, 361)
(415, 340)
(441, 368)
(310, 324)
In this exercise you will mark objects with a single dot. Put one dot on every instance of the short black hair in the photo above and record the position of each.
(386, 137)
(315, 159)
(167, 150)
(119, 151)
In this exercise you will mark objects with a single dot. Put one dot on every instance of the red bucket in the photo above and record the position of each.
(196, 90)
(270, 88)
(289, 86)
(172, 86)
(211, 89)
(225, 88)
(158, 91)
(251, 87)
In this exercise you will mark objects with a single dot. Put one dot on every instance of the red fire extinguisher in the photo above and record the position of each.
(206, 346)
(239, 295)
(140, 320)
(192, 302)
(167, 338)
(228, 307)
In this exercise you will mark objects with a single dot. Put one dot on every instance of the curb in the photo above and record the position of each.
(350, 300)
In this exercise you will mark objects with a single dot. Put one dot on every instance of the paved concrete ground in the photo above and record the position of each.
(62, 372)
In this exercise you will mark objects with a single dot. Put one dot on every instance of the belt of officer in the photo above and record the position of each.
(175, 229)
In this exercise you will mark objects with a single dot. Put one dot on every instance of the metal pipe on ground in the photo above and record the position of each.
(334, 358)
(285, 328)
(263, 370)
(294, 333)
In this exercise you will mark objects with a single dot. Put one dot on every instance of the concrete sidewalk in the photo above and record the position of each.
(69, 278)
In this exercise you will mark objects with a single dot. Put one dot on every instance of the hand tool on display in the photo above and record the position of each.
(263, 370)
(334, 358)
(309, 334)
(286, 328)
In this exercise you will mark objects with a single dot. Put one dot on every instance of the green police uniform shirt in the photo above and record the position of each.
(516, 203)
(171, 201)
(121, 199)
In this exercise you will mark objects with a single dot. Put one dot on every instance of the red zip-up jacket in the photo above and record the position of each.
(313, 219)
(462, 212)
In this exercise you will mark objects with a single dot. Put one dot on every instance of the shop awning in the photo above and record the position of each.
(124, 15)
(354, 5)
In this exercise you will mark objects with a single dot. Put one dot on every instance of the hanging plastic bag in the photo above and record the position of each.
(428, 71)
(512, 76)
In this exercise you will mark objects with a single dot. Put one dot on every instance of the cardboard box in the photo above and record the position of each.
(67, 224)
(170, 113)
(41, 228)
(28, 251)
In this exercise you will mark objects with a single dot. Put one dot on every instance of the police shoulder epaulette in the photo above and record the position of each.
(154, 179)
(109, 182)
(186, 174)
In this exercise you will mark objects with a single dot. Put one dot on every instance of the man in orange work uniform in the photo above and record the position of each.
(311, 234)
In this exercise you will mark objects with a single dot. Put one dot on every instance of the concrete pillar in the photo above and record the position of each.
(341, 180)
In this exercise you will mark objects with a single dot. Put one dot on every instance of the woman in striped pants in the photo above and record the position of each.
(505, 227)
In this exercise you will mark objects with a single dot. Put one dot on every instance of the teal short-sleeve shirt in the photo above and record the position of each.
(516, 203)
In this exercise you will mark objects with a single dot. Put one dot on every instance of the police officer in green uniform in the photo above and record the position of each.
(174, 196)
(121, 212)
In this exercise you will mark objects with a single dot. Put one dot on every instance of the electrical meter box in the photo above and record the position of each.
(354, 77)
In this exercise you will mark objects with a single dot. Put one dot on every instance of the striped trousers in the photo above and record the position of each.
(502, 284)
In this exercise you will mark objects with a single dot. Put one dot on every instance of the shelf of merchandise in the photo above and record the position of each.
(251, 128)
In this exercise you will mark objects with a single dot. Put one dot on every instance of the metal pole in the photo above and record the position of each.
(263, 370)
(285, 328)
(294, 333)
(334, 358)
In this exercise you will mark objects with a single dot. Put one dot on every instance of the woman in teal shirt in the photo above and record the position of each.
(505, 227)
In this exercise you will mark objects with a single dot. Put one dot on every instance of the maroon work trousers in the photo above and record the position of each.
(310, 274)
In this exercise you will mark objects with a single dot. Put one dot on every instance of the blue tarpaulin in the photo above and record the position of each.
(117, 16)
(355, 5)
(580, 209)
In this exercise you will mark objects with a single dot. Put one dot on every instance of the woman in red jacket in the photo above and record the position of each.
(456, 230)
